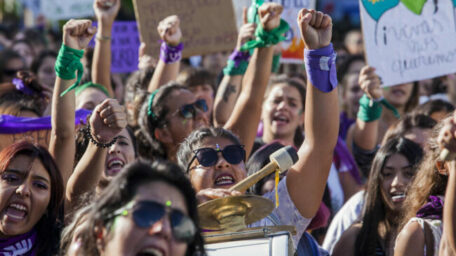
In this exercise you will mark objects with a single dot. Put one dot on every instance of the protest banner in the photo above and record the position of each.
(64, 9)
(409, 40)
(35, 130)
(207, 25)
(124, 46)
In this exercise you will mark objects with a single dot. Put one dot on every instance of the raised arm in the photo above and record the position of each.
(306, 180)
(365, 130)
(447, 139)
(230, 86)
(107, 121)
(105, 12)
(76, 36)
(247, 111)
(170, 53)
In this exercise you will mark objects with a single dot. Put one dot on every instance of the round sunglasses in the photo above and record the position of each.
(147, 213)
(188, 111)
(233, 154)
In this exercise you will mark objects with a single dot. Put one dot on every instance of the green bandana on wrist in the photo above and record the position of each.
(232, 70)
(368, 112)
(267, 38)
(67, 63)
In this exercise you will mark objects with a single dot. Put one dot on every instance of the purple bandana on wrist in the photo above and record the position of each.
(24, 245)
(433, 209)
(239, 56)
(321, 67)
(22, 87)
(170, 54)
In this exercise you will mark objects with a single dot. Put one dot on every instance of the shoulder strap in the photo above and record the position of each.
(428, 239)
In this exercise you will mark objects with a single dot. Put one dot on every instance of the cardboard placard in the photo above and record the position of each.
(409, 40)
(64, 9)
(207, 25)
(124, 46)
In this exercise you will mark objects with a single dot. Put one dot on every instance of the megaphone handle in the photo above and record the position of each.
(246, 183)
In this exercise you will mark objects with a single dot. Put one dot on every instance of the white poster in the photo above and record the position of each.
(66, 9)
(409, 40)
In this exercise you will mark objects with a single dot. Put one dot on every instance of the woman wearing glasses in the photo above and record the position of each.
(301, 191)
(149, 209)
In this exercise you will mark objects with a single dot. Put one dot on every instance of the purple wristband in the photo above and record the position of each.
(19, 84)
(238, 56)
(170, 54)
(321, 68)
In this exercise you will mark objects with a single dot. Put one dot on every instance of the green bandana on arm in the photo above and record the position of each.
(67, 63)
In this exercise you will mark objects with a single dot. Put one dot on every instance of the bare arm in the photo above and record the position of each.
(308, 176)
(230, 87)
(247, 111)
(76, 35)
(226, 98)
(106, 13)
(170, 32)
(346, 244)
(448, 243)
(447, 140)
(365, 134)
(410, 241)
(107, 121)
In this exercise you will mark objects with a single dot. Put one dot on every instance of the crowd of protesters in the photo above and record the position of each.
(130, 157)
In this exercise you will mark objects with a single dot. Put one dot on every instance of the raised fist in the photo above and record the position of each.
(270, 15)
(169, 30)
(370, 83)
(107, 120)
(315, 27)
(106, 10)
(78, 33)
(246, 33)
(447, 136)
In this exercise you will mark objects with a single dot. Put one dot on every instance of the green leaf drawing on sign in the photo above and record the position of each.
(415, 6)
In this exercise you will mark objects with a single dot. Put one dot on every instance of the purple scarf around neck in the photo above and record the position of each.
(19, 245)
(433, 209)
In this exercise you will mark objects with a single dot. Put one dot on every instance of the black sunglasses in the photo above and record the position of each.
(188, 111)
(146, 213)
(207, 157)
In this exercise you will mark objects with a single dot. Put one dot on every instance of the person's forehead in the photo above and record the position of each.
(179, 98)
(285, 90)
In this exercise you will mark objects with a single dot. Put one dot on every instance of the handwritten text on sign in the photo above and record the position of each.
(124, 46)
(207, 25)
(406, 42)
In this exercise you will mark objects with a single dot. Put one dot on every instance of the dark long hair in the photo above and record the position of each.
(122, 190)
(150, 147)
(375, 208)
(49, 225)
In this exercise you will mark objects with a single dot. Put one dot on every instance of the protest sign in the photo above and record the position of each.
(409, 40)
(35, 130)
(124, 46)
(64, 9)
(207, 25)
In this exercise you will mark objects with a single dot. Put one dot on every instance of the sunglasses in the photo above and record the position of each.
(147, 213)
(233, 154)
(189, 110)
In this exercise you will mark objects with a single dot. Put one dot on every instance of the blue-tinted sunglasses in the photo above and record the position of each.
(233, 154)
(188, 111)
(146, 213)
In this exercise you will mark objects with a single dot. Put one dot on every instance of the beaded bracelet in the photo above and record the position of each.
(88, 135)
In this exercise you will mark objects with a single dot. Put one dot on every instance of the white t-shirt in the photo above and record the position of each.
(285, 214)
(347, 215)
